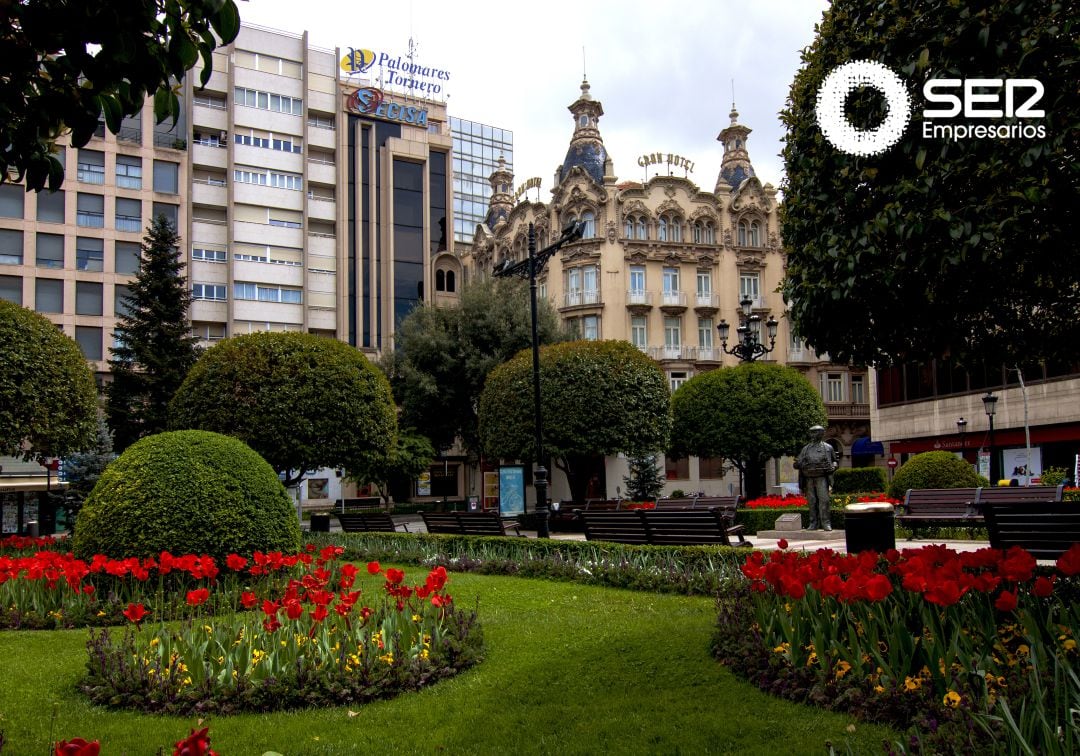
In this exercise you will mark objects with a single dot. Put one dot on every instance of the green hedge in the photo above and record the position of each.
(858, 479)
(187, 492)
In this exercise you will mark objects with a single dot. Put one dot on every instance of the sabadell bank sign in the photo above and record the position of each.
(395, 71)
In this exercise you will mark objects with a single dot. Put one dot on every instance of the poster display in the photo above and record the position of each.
(511, 490)
(1017, 465)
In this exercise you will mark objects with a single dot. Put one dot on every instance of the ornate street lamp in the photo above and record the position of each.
(530, 268)
(749, 347)
(990, 405)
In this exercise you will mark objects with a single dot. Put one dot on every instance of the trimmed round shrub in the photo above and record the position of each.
(187, 492)
(937, 469)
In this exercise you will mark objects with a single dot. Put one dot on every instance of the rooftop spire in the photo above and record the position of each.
(586, 145)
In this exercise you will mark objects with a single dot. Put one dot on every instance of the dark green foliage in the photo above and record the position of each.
(1054, 476)
(187, 492)
(962, 247)
(597, 398)
(48, 404)
(645, 480)
(82, 470)
(411, 455)
(301, 401)
(748, 414)
(67, 65)
(156, 348)
(444, 355)
(937, 469)
(858, 480)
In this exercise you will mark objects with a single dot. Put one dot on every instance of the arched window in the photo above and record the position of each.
(628, 227)
(710, 233)
(674, 228)
(641, 230)
(440, 281)
(742, 233)
(450, 283)
(661, 229)
(588, 217)
(755, 234)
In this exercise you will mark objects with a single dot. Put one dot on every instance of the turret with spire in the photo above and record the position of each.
(735, 167)
(502, 199)
(586, 145)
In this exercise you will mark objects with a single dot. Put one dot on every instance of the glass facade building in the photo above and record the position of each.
(477, 148)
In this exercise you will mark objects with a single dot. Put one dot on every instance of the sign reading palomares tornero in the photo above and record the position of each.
(659, 158)
(370, 102)
(395, 71)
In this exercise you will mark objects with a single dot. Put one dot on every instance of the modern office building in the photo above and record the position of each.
(661, 264)
(477, 150)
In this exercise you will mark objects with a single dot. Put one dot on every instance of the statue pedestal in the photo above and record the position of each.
(802, 535)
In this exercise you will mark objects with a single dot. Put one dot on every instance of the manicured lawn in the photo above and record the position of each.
(569, 669)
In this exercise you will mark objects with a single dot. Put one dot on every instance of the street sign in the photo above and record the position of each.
(892, 463)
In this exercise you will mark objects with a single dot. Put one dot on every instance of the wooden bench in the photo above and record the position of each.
(663, 528)
(468, 523)
(565, 517)
(1046, 529)
(361, 503)
(368, 522)
(962, 507)
(697, 502)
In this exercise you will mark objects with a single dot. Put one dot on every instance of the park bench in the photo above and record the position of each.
(468, 523)
(565, 516)
(962, 507)
(698, 501)
(368, 522)
(361, 503)
(663, 528)
(1046, 529)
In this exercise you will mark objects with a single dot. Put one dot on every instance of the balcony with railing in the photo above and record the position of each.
(706, 354)
(639, 301)
(581, 298)
(671, 353)
(706, 303)
(673, 302)
(847, 410)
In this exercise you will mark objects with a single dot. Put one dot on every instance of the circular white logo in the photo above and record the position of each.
(830, 107)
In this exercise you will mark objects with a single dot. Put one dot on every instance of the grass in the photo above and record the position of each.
(570, 669)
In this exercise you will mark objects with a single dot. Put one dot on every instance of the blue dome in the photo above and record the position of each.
(590, 156)
(735, 175)
(495, 215)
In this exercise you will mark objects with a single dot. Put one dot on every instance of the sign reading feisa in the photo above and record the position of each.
(370, 102)
(395, 71)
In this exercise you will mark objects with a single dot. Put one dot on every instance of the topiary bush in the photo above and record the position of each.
(937, 469)
(859, 479)
(187, 492)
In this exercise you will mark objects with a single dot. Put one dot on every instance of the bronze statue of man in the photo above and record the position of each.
(816, 463)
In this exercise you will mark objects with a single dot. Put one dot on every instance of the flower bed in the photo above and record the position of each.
(313, 644)
(955, 644)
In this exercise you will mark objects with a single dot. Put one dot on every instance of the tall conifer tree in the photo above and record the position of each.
(155, 348)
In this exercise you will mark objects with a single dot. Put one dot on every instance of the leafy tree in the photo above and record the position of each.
(445, 354)
(964, 247)
(66, 64)
(48, 403)
(411, 455)
(597, 398)
(747, 414)
(83, 469)
(156, 349)
(301, 401)
(645, 480)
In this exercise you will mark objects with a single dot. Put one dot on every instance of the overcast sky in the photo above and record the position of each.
(662, 70)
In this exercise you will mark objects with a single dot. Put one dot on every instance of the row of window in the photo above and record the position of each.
(90, 169)
(255, 292)
(585, 278)
(263, 177)
(90, 208)
(669, 229)
(268, 141)
(276, 103)
(49, 252)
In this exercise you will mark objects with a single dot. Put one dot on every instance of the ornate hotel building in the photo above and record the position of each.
(661, 264)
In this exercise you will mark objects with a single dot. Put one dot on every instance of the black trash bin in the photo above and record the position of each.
(320, 522)
(869, 526)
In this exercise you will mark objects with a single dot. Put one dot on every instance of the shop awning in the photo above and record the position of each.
(865, 446)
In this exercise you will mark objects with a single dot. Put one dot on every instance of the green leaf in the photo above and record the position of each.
(114, 114)
(920, 158)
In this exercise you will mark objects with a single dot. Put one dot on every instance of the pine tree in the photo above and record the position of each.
(155, 348)
(82, 471)
(645, 481)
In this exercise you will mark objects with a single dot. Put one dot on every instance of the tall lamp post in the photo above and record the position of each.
(961, 426)
(990, 405)
(749, 347)
(530, 268)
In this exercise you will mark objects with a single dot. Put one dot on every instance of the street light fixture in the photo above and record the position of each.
(961, 426)
(749, 347)
(990, 405)
(530, 268)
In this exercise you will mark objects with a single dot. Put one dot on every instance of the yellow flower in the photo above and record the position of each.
(388, 658)
(257, 655)
(424, 654)
(842, 668)
(952, 699)
(416, 618)
(812, 659)
(879, 689)
(912, 683)
(1069, 645)
(1023, 650)
(154, 642)
(100, 614)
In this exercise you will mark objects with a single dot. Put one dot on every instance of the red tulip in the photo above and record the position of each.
(195, 744)
(198, 596)
(235, 562)
(1005, 602)
(782, 543)
(373, 568)
(248, 599)
(1069, 562)
(77, 747)
(1043, 587)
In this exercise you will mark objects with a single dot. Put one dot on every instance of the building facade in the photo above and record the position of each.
(477, 148)
(660, 265)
